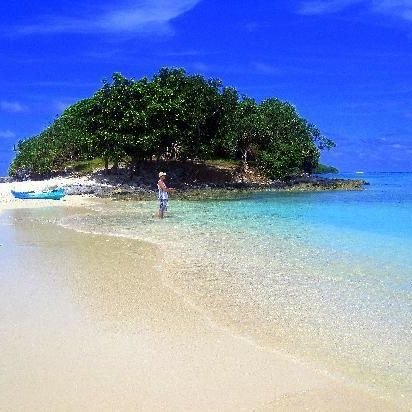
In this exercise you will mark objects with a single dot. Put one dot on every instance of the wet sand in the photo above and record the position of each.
(88, 324)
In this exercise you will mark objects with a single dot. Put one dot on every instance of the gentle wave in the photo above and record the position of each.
(313, 274)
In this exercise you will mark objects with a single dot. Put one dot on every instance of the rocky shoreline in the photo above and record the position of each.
(191, 181)
(110, 187)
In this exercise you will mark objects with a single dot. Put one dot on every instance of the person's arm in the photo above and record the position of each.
(164, 187)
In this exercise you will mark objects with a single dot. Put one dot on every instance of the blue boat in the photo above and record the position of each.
(55, 194)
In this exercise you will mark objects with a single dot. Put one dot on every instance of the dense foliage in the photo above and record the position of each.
(323, 169)
(174, 116)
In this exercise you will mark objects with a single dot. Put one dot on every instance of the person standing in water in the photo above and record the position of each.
(163, 194)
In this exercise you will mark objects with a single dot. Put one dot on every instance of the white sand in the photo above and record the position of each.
(103, 332)
(7, 201)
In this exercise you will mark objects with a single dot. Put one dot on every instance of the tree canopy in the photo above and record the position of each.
(176, 116)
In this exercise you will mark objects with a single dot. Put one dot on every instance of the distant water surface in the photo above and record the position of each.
(325, 276)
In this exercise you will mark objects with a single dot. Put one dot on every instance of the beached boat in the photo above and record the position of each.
(55, 194)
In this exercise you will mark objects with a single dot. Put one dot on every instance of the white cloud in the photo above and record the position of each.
(200, 67)
(254, 26)
(7, 134)
(264, 68)
(314, 7)
(11, 107)
(396, 8)
(137, 16)
(183, 53)
(61, 106)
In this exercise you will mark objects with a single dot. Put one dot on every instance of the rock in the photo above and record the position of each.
(196, 181)
(6, 179)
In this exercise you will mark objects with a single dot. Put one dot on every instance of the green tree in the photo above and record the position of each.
(175, 116)
(246, 128)
(288, 142)
(186, 113)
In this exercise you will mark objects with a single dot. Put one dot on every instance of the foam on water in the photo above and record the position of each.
(324, 276)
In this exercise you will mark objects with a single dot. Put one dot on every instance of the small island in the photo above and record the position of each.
(206, 135)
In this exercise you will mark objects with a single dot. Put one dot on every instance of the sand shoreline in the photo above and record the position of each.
(7, 201)
(118, 337)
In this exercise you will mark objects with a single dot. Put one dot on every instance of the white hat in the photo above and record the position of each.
(162, 174)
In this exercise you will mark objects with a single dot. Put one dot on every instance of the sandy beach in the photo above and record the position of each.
(89, 324)
(7, 201)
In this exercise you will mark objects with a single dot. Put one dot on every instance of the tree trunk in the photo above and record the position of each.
(134, 166)
(245, 166)
(115, 167)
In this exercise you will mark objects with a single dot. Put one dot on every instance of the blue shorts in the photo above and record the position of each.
(163, 205)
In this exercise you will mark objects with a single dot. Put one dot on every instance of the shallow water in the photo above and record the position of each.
(325, 276)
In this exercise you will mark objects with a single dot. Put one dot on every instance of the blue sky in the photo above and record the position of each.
(345, 64)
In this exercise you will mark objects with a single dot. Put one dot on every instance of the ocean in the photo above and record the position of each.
(323, 276)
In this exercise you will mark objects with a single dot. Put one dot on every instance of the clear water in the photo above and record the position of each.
(326, 276)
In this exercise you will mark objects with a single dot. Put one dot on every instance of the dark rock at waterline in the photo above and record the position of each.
(81, 189)
(319, 183)
(197, 191)
(107, 191)
(6, 179)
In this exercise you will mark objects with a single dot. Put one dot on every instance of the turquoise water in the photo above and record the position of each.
(325, 276)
